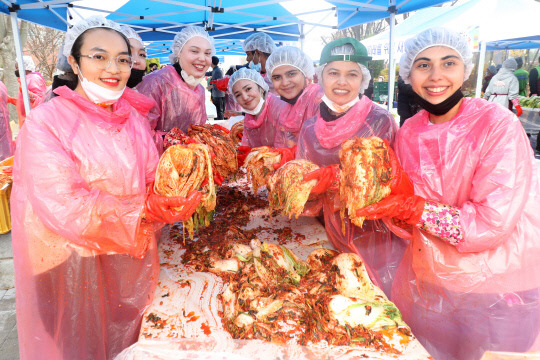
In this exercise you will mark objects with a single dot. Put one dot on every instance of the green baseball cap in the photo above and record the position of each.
(360, 52)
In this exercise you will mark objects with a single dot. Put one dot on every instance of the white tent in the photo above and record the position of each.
(484, 21)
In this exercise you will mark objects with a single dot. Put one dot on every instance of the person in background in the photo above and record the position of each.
(534, 80)
(503, 88)
(490, 72)
(83, 207)
(138, 55)
(6, 138)
(176, 88)
(258, 48)
(218, 96)
(152, 67)
(534, 88)
(342, 115)
(291, 72)
(407, 106)
(67, 77)
(522, 75)
(371, 87)
(37, 88)
(469, 280)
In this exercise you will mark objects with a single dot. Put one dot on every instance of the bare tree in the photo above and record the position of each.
(8, 56)
(43, 43)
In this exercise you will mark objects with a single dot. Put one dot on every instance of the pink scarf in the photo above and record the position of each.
(333, 133)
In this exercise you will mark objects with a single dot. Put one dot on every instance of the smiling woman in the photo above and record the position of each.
(85, 247)
(474, 214)
(176, 88)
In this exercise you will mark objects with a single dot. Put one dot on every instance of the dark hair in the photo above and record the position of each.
(215, 60)
(519, 61)
(152, 64)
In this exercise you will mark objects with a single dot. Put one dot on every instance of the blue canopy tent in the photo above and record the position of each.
(356, 12)
(526, 42)
(159, 20)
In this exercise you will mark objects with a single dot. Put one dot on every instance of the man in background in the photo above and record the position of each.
(218, 97)
(522, 76)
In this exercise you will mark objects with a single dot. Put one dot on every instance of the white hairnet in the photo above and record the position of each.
(184, 36)
(62, 62)
(29, 63)
(347, 49)
(293, 56)
(510, 64)
(435, 37)
(96, 21)
(259, 41)
(129, 32)
(247, 74)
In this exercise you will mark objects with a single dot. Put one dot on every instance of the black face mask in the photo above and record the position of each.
(442, 108)
(135, 77)
(17, 73)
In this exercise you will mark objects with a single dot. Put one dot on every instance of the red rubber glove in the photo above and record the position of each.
(287, 154)
(327, 177)
(407, 208)
(219, 127)
(221, 84)
(400, 184)
(161, 208)
(519, 110)
(12, 100)
(243, 152)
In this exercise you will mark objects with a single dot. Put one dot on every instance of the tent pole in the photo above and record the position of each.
(302, 36)
(481, 61)
(391, 62)
(18, 51)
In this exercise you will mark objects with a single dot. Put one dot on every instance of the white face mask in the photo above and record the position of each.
(99, 95)
(257, 108)
(190, 80)
(339, 108)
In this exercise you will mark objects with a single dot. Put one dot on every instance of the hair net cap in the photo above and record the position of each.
(62, 62)
(28, 63)
(293, 56)
(259, 41)
(78, 29)
(358, 54)
(184, 36)
(129, 32)
(510, 64)
(247, 74)
(435, 37)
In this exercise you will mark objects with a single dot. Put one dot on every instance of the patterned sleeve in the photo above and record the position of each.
(442, 221)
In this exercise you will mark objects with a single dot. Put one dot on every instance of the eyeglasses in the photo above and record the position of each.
(102, 61)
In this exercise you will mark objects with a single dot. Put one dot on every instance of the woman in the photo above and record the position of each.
(344, 113)
(470, 277)
(86, 262)
(262, 109)
(291, 72)
(176, 88)
(138, 54)
(503, 88)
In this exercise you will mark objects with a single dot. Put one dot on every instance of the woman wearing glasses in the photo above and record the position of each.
(83, 211)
